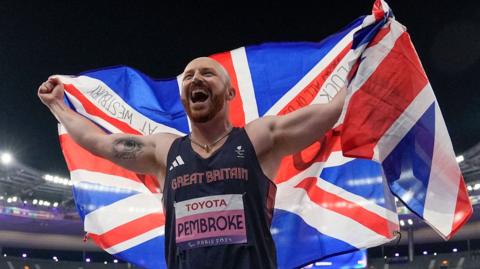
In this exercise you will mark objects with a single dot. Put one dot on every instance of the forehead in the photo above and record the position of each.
(202, 63)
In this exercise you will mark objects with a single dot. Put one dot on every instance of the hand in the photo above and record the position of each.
(51, 91)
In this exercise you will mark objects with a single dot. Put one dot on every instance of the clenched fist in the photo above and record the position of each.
(51, 91)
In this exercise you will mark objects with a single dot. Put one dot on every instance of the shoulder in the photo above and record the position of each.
(162, 140)
(259, 132)
(163, 136)
(260, 125)
(162, 143)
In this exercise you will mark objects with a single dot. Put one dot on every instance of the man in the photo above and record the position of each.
(218, 192)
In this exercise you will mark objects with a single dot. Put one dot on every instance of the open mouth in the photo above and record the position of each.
(199, 95)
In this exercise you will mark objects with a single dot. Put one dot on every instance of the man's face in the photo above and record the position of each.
(204, 89)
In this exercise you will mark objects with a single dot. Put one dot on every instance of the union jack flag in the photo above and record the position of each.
(326, 203)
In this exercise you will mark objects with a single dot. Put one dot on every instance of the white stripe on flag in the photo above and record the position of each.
(130, 116)
(245, 84)
(135, 241)
(328, 222)
(81, 110)
(385, 6)
(444, 180)
(336, 158)
(375, 55)
(312, 74)
(314, 171)
(403, 124)
(359, 200)
(108, 180)
(106, 218)
(337, 80)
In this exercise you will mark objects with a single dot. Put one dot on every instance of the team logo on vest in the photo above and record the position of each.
(240, 152)
(178, 161)
(210, 221)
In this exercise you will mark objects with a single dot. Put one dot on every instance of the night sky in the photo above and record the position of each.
(40, 38)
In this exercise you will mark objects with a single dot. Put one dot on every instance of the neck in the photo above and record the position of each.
(208, 132)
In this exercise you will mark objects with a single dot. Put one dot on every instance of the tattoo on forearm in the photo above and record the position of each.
(127, 148)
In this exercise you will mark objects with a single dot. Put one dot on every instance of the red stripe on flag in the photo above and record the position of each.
(317, 152)
(463, 208)
(306, 96)
(382, 99)
(346, 208)
(77, 157)
(236, 113)
(128, 230)
(95, 111)
(377, 10)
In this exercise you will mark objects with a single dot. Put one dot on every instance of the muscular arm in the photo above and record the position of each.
(274, 137)
(142, 154)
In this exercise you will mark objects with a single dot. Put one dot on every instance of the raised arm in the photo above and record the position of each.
(274, 137)
(142, 154)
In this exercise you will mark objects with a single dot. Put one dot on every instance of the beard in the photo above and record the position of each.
(215, 104)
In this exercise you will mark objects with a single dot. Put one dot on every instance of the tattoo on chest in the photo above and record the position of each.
(127, 148)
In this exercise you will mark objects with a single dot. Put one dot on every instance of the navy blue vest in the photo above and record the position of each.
(218, 210)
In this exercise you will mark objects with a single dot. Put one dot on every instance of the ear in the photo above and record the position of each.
(231, 93)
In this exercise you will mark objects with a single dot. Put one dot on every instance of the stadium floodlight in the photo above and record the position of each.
(24, 255)
(115, 261)
(35, 201)
(55, 204)
(469, 188)
(425, 252)
(454, 250)
(58, 180)
(6, 158)
(397, 254)
(87, 259)
(476, 186)
(105, 262)
(410, 222)
(460, 159)
(402, 223)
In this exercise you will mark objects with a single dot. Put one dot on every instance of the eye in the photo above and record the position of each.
(208, 73)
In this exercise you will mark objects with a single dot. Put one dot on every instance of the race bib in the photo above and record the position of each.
(210, 221)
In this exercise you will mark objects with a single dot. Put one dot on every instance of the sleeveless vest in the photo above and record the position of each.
(219, 209)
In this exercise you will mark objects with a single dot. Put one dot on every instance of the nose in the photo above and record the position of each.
(197, 77)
